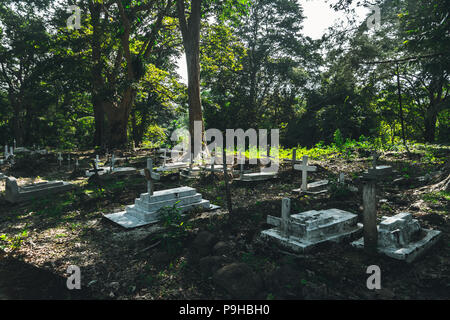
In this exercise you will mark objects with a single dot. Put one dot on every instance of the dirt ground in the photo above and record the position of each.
(215, 255)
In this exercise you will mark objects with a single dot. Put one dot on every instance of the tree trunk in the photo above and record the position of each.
(190, 31)
(430, 124)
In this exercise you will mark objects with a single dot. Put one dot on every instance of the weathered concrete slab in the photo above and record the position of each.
(307, 230)
(401, 237)
(173, 166)
(257, 176)
(316, 187)
(146, 208)
(14, 193)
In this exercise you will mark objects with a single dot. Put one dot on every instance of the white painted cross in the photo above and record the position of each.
(375, 157)
(285, 214)
(304, 168)
(113, 160)
(150, 176)
(341, 179)
(96, 161)
(60, 158)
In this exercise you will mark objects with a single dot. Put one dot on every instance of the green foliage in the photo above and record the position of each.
(176, 228)
(13, 242)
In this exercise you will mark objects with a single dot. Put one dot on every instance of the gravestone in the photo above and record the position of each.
(15, 193)
(401, 237)
(175, 164)
(377, 171)
(304, 231)
(254, 176)
(316, 187)
(146, 208)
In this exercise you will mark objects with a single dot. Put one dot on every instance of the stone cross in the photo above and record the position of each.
(294, 158)
(285, 214)
(60, 158)
(285, 224)
(305, 168)
(11, 151)
(6, 152)
(375, 157)
(341, 179)
(150, 176)
(370, 217)
(113, 160)
(96, 161)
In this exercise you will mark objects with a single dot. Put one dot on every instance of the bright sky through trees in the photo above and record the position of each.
(319, 17)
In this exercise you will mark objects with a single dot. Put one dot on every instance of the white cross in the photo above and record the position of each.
(113, 160)
(305, 168)
(96, 161)
(285, 214)
(150, 175)
(11, 150)
(6, 152)
(60, 158)
(341, 178)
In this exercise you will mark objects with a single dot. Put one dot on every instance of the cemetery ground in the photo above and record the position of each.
(217, 255)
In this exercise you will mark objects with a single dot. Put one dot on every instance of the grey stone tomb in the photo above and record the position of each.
(302, 232)
(145, 210)
(14, 193)
(402, 238)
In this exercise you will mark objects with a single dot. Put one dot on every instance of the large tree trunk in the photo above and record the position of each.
(190, 31)
(97, 79)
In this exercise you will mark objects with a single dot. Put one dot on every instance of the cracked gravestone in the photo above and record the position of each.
(304, 231)
(401, 237)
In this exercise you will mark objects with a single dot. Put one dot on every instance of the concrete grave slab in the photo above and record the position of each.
(15, 193)
(304, 231)
(401, 237)
(146, 208)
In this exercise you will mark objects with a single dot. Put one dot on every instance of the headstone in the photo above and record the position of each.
(60, 158)
(377, 171)
(255, 176)
(341, 179)
(401, 237)
(14, 193)
(316, 187)
(304, 231)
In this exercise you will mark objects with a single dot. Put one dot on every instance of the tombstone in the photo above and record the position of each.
(254, 176)
(15, 193)
(377, 171)
(113, 170)
(341, 179)
(304, 231)
(60, 158)
(401, 237)
(316, 187)
(146, 208)
(175, 164)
